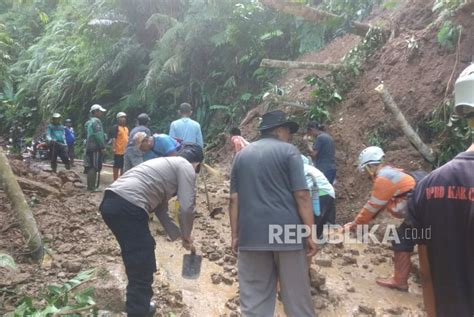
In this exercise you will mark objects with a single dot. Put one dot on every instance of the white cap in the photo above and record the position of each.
(56, 115)
(97, 107)
(120, 115)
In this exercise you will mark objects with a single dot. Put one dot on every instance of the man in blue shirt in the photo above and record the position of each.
(56, 138)
(70, 140)
(186, 129)
(158, 145)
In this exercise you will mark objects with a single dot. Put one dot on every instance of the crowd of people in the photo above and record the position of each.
(273, 184)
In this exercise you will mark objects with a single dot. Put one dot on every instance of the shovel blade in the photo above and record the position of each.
(191, 266)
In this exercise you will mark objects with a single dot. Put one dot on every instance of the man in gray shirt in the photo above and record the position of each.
(126, 207)
(268, 188)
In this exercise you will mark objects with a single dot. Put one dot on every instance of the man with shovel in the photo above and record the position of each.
(126, 207)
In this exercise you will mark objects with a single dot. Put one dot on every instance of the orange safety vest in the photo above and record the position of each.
(388, 192)
(121, 140)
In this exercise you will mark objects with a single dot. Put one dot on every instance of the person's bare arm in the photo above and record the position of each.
(233, 215)
(305, 210)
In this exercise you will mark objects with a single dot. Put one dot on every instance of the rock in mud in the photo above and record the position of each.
(72, 266)
(214, 256)
(350, 289)
(68, 188)
(109, 292)
(216, 278)
(227, 279)
(364, 309)
(398, 311)
(348, 259)
(230, 259)
(53, 181)
(324, 262)
(316, 279)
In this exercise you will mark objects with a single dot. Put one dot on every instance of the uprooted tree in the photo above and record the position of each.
(21, 210)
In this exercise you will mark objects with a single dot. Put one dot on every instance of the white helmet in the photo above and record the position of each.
(120, 115)
(464, 92)
(370, 155)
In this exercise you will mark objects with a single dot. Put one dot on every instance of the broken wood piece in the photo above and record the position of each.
(37, 186)
(273, 63)
(21, 210)
(409, 132)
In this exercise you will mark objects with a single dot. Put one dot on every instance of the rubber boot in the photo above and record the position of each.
(399, 280)
(54, 167)
(91, 179)
(116, 173)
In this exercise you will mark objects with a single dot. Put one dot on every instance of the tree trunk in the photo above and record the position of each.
(414, 138)
(285, 101)
(273, 63)
(314, 15)
(21, 209)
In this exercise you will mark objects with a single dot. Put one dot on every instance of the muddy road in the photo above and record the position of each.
(342, 276)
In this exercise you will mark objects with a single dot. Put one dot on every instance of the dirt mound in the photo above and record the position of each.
(416, 78)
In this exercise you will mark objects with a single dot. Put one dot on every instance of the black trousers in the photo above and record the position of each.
(58, 149)
(129, 224)
(328, 214)
(407, 239)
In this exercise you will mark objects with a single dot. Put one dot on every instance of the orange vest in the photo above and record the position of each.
(388, 192)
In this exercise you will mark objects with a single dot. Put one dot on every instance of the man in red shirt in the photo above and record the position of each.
(238, 142)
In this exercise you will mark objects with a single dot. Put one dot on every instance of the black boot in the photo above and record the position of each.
(91, 179)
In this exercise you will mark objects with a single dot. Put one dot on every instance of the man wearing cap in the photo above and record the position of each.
(70, 140)
(126, 207)
(95, 147)
(133, 156)
(119, 137)
(186, 129)
(268, 189)
(56, 138)
(443, 203)
(323, 151)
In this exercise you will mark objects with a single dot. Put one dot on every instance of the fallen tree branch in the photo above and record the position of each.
(285, 101)
(314, 15)
(273, 63)
(414, 138)
(21, 210)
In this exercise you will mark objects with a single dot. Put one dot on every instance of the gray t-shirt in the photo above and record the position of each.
(265, 174)
(325, 159)
(151, 184)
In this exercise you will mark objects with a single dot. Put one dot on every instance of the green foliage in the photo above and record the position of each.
(7, 261)
(353, 10)
(448, 35)
(324, 96)
(377, 137)
(57, 299)
(452, 133)
(449, 5)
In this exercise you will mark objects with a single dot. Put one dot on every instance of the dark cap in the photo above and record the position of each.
(277, 118)
(314, 125)
(191, 152)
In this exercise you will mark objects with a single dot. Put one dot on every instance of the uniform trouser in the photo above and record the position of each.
(129, 224)
(58, 149)
(328, 214)
(259, 272)
(407, 240)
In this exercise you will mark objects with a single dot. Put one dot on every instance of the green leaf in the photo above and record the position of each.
(246, 97)
(7, 261)
(336, 96)
(270, 35)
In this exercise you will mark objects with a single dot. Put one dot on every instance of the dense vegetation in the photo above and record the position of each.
(144, 55)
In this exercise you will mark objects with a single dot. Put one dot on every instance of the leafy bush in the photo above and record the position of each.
(59, 299)
(448, 35)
